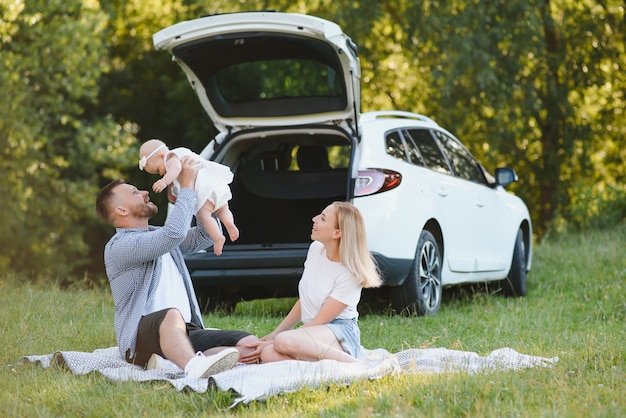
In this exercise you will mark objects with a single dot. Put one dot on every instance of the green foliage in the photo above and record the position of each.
(523, 94)
(575, 310)
(53, 54)
(596, 206)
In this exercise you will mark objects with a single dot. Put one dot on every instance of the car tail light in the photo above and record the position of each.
(376, 180)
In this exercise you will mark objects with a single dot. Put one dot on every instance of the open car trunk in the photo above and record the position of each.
(281, 182)
(255, 69)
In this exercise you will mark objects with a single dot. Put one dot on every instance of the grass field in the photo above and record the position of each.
(575, 309)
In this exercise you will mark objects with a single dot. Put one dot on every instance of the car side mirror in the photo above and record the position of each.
(505, 176)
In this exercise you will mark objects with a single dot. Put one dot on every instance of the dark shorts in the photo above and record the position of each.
(201, 339)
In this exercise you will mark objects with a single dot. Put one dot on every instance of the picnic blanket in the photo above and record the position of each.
(257, 382)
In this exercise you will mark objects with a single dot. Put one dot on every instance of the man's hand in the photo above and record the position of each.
(188, 173)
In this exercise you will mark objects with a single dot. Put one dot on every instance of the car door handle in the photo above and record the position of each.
(479, 203)
(442, 193)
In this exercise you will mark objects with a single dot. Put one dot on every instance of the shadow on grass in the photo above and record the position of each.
(378, 301)
(373, 301)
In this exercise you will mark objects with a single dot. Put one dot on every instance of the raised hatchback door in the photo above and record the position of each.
(263, 69)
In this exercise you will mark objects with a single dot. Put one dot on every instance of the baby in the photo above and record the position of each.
(211, 185)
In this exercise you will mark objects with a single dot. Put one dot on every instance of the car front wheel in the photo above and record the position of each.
(420, 294)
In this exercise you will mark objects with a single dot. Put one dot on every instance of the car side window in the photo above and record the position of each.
(394, 145)
(429, 150)
(464, 163)
(414, 154)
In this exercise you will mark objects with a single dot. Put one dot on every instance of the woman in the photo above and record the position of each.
(337, 267)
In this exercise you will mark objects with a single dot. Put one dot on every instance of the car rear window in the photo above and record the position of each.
(277, 79)
(260, 74)
(394, 145)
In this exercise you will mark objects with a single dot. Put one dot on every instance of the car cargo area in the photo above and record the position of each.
(280, 184)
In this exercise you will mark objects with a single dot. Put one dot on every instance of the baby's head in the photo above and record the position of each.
(152, 156)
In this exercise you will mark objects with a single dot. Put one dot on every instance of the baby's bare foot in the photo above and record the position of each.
(218, 245)
(233, 232)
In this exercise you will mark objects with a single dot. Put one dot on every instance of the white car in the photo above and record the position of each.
(284, 91)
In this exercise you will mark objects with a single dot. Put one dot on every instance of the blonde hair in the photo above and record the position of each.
(353, 245)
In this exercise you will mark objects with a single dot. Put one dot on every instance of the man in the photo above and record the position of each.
(156, 311)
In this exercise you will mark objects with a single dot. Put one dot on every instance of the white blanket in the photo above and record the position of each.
(256, 382)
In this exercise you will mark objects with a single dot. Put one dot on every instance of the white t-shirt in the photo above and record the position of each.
(323, 278)
(171, 290)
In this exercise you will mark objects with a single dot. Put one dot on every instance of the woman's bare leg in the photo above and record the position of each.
(306, 343)
(269, 354)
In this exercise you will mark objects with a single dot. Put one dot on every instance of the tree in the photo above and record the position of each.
(52, 55)
(516, 80)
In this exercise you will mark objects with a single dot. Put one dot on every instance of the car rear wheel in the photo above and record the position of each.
(514, 285)
(420, 294)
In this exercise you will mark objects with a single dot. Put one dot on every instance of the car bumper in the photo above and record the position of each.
(270, 266)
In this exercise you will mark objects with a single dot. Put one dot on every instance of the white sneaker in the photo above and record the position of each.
(204, 366)
(155, 362)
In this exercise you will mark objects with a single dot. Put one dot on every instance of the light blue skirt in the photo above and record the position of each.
(348, 334)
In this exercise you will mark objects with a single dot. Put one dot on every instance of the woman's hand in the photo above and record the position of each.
(254, 356)
(269, 337)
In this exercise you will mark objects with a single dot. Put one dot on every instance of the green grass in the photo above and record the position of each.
(575, 309)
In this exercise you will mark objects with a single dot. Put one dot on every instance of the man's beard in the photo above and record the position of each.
(147, 210)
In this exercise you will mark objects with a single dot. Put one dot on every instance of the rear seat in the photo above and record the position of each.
(314, 180)
(297, 184)
(272, 204)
